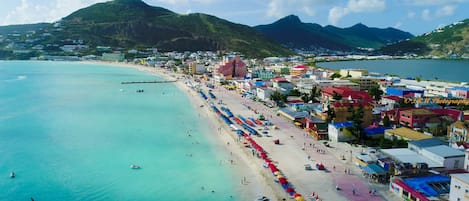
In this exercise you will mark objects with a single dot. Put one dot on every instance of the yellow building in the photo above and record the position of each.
(405, 134)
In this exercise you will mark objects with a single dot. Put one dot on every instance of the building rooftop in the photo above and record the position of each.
(430, 186)
(408, 133)
(342, 124)
(408, 156)
(419, 111)
(444, 151)
(430, 142)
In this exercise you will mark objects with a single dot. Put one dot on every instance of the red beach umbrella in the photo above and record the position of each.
(282, 180)
(289, 190)
(296, 195)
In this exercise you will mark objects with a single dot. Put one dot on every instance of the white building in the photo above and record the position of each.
(336, 131)
(449, 157)
(459, 190)
(263, 93)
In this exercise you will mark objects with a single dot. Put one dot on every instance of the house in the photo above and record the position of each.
(336, 133)
(343, 110)
(403, 91)
(375, 131)
(405, 134)
(458, 134)
(418, 145)
(390, 101)
(298, 71)
(449, 157)
(415, 118)
(113, 57)
(353, 73)
(459, 92)
(234, 68)
(317, 128)
(459, 190)
(283, 85)
(346, 93)
(426, 188)
(263, 93)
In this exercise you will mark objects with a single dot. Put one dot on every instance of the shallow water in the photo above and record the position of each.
(70, 131)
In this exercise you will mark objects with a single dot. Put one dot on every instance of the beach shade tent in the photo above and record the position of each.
(276, 141)
(282, 180)
(296, 195)
(299, 198)
(263, 155)
(277, 173)
(289, 190)
(267, 160)
(273, 168)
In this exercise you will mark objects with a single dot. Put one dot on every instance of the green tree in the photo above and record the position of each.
(294, 92)
(386, 121)
(336, 96)
(315, 92)
(278, 98)
(357, 118)
(375, 92)
(330, 114)
(335, 75)
(305, 98)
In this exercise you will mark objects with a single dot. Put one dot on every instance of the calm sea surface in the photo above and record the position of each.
(447, 70)
(69, 132)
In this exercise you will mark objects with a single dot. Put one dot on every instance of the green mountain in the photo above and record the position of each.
(293, 33)
(134, 24)
(449, 41)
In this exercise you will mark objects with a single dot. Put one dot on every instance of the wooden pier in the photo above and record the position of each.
(148, 82)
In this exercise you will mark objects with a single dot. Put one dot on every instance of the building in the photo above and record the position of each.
(448, 157)
(113, 57)
(418, 145)
(346, 93)
(234, 68)
(337, 83)
(459, 187)
(434, 187)
(390, 101)
(366, 82)
(458, 134)
(459, 92)
(298, 71)
(416, 118)
(405, 134)
(336, 131)
(353, 73)
(317, 128)
(402, 91)
(282, 85)
(343, 110)
(263, 93)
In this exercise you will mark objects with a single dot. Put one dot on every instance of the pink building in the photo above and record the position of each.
(234, 68)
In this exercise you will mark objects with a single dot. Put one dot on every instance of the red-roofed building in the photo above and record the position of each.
(347, 94)
(234, 68)
(297, 71)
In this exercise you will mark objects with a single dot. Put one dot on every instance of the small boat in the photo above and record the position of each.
(135, 167)
(12, 174)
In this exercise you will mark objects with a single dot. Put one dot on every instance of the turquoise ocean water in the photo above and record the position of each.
(69, 132)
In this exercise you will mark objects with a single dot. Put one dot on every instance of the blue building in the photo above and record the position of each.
(402, 91)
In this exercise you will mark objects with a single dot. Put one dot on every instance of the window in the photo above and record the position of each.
(456, 164)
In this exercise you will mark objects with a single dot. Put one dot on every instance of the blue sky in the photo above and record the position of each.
(415, 16)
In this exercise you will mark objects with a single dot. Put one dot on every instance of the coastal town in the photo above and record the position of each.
(234, 100)
(357, 135)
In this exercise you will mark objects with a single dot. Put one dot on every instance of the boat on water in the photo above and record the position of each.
(135, 167)
(12, 174)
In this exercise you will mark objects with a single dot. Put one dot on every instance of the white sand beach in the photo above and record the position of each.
(295, 150)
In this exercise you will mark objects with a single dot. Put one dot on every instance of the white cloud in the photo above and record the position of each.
(411, 14)
(444, 11)
(398, 25)
(281, 8)
(360, 6)
(29, 12)
(355, 6)
(336, 13)
(426, 14)
(447, 10)
(434, 2)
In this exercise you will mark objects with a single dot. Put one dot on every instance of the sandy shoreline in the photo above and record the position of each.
(290, 157)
